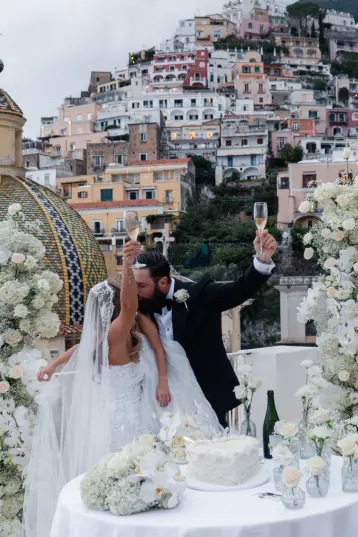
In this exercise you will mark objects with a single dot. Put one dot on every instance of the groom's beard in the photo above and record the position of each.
(154, 304)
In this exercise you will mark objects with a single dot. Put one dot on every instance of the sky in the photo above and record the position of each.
(50, 48)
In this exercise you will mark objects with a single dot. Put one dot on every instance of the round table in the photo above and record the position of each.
(216, 514)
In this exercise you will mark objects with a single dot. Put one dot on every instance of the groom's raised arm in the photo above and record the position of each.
(224, 296)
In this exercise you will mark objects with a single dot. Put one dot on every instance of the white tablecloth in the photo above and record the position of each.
(208, 514)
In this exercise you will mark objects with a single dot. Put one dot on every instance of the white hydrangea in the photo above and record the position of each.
(47, 324)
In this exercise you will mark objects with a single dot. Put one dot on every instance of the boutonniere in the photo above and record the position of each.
(181, 296)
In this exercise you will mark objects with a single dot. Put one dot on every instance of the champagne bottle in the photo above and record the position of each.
(269, 424)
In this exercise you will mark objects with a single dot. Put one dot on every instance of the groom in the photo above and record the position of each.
(190, 313)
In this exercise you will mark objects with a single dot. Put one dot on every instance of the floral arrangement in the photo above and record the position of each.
(289, 434)
(249, 383)
(27, 295)
(319, 436)
(178, 430)
(332, 301)
(291, 477)
(139, 477)
(349, 446)
(316, 465)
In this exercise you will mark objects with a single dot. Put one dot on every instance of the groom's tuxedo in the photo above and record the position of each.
(198, 329)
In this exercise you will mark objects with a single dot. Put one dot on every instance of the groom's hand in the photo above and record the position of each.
(269, 246)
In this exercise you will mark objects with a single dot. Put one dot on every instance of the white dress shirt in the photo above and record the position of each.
(165, 320)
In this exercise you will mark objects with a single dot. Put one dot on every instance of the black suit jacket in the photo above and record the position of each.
(198, 330)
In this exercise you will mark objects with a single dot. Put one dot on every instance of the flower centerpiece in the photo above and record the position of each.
(288, 432)
(293, 497)
(317, 484)
(139, 477)
(349, 450)
(309, 396)
(245, 392)
(332, 301)
(282, 457)
(28, 292)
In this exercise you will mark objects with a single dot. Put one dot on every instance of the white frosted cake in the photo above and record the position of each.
(230, 460)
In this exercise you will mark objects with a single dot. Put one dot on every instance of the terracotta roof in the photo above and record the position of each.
(158, 162)
(7, 105)
(116, 204)
(68, 330)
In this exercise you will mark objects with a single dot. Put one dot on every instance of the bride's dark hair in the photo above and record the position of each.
(116, 287)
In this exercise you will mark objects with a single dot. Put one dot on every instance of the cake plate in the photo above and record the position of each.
(262, 477)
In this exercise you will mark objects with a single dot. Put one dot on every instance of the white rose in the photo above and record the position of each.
(305, 207)
(291, 476)
(308, 253)
(349, 224)
(316, 465)
(338, 235)
(321, 431)
(286, 429)
(4, 386)
(15, 372)
(21, 311)
(326, 233)
(43, 285)
(240, 392)
(30, 262)
(17, 258)
(348, 445)
(13, 209)
(355, 267)
(331, 292)
(244, 369)
(343, 375)
(306, 363)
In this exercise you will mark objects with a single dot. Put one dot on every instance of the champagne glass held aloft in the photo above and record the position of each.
(132, 225)
(260, 216)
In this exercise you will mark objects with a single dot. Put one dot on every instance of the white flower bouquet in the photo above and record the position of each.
(139, 477)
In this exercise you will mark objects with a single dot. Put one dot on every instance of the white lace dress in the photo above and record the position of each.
(136, 411)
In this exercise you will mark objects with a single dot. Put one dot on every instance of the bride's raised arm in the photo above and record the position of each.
(122, 325)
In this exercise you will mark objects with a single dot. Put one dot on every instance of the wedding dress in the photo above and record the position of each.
(92, 408)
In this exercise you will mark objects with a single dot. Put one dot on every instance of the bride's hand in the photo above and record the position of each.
(163, 395)
(45, 374)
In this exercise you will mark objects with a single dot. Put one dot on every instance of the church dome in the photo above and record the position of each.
(71, 249)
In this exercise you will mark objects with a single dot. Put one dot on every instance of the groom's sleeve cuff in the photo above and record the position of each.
(264, 268)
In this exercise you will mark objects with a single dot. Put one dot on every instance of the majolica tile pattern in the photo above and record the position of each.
(71, 250)
(7, 105)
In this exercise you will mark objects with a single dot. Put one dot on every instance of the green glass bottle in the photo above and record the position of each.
(269, 424)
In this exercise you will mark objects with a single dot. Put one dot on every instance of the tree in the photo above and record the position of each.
(343, 96)
(348, 65)
(291, 153)
(313, 30)
(204, 171)
(27, 294)
(303, 12)
(320, 84)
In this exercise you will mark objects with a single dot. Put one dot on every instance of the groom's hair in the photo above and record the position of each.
(157, 264)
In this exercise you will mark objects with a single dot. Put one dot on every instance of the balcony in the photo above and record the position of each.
(203, 37)
(249, 129)
(198, 80)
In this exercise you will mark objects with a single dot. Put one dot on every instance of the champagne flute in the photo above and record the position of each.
(132, 225)
(260, 216)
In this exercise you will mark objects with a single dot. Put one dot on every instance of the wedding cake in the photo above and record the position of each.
(230, 460)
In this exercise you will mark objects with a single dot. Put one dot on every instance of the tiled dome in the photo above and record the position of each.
(71, 249)
(7, 105)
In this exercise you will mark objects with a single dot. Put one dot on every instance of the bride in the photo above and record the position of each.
(114, 387)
